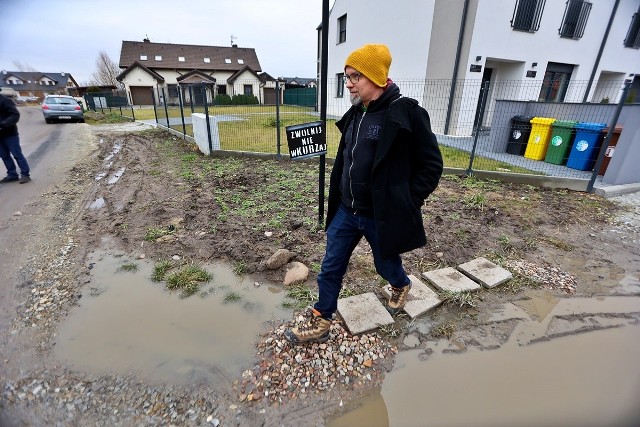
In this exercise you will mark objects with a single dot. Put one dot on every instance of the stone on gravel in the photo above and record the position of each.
(278, 259)
(485, 272)
(450, 279)
(296, 272)
(362, 313)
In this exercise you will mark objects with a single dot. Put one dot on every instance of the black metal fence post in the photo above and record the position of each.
(166, 110)
(278, 155)
(206, 114)
(153, 99)
(605, 142)
(181, 103)
(483, 102)
(191, 98)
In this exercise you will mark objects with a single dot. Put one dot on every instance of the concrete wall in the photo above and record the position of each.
(623, 167)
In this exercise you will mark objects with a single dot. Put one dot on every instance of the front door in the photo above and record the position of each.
(486, 77)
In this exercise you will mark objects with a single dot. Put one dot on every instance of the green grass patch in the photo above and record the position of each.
(461, 299)
(129, 267)
(299, 297)
(232, 297)
(444, 330)
(160, 269)
(188, 279)
(154, 233)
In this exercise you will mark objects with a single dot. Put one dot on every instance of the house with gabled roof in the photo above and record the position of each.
(157, 73)
(37, 83)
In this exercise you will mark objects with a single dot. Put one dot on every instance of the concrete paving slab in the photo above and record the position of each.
(421, 298)
(364, 312)
(450, 279)
(485, 272)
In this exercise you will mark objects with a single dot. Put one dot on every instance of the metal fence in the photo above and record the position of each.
(508, 126)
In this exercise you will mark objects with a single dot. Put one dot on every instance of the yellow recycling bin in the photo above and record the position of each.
(539, 138)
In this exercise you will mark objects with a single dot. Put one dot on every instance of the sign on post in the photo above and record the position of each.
(306, 140)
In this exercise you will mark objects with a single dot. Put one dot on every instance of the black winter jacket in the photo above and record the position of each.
(406, 168)
(9, 116)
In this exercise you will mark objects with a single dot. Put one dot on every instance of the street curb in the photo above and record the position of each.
(617, 190)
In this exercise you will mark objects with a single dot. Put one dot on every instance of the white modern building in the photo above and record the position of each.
(539, 50)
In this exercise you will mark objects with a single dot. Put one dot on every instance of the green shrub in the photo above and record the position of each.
(222, 99)
(244, 100)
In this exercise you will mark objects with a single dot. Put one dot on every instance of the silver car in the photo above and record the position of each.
(62, 107)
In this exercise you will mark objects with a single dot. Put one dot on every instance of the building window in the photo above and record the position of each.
(240, 61)
(633, 35)
(527, 15)
(248, 90)
(207, 60)
(180, 58)
(227, 61)
(342, 29)
(222, 89)
(143, 57)
(575, 19)
(158, 57)
(172, 91)
(340, 87)
(556, 81)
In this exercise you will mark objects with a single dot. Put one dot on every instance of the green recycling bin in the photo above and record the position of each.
(562, 134)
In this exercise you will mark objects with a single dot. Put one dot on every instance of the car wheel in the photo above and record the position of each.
(81, 121)
(48, 121)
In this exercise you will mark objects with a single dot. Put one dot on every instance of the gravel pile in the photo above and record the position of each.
(287, 371)
(69, 400)
(548, 276)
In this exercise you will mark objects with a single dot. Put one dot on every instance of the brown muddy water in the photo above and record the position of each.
(127, 323)
(550, 372)
(569, 379)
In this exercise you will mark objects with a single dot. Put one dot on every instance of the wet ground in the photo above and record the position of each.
(94, 343)
(127, 323)
(569, 362)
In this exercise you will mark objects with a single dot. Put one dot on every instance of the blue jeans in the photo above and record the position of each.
(343, 234)
(10, 146)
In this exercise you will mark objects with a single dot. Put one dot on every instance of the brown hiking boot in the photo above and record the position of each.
(314, 329)
(398, 298)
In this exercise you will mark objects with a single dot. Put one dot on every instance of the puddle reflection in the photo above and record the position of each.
(589, 379)
(127, 323)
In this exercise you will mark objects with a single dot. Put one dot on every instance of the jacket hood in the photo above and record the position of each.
(391, 93)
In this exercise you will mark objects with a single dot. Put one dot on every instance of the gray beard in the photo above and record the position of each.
(355, 99)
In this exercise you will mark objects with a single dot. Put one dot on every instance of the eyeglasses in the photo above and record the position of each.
(353, 78)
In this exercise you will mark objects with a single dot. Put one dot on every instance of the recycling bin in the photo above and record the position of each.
(610, 147)
(562, 133)
(585, 145)
(519, 135)
(539, 138)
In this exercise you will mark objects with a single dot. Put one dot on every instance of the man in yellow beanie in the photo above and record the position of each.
(388, 162)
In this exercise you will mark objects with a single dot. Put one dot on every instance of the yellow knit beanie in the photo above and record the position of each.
(372, 60)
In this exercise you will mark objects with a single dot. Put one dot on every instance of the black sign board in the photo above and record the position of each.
(475, 68)
(306, 140)
(531, 73)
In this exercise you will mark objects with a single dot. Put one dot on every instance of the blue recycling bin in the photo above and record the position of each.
(585, 145)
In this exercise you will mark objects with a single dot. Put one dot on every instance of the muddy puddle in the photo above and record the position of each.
(126, 323)
(569, 362)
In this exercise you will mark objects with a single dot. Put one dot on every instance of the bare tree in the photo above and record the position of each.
(107, 71)
(23, 67)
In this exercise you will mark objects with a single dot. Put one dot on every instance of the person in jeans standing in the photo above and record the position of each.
(10, 143)
(387, 164)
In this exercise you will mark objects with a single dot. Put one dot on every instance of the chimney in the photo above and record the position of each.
(146, 39)
(62, 74)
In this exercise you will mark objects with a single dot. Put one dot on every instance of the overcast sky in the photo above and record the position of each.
(67, 35)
